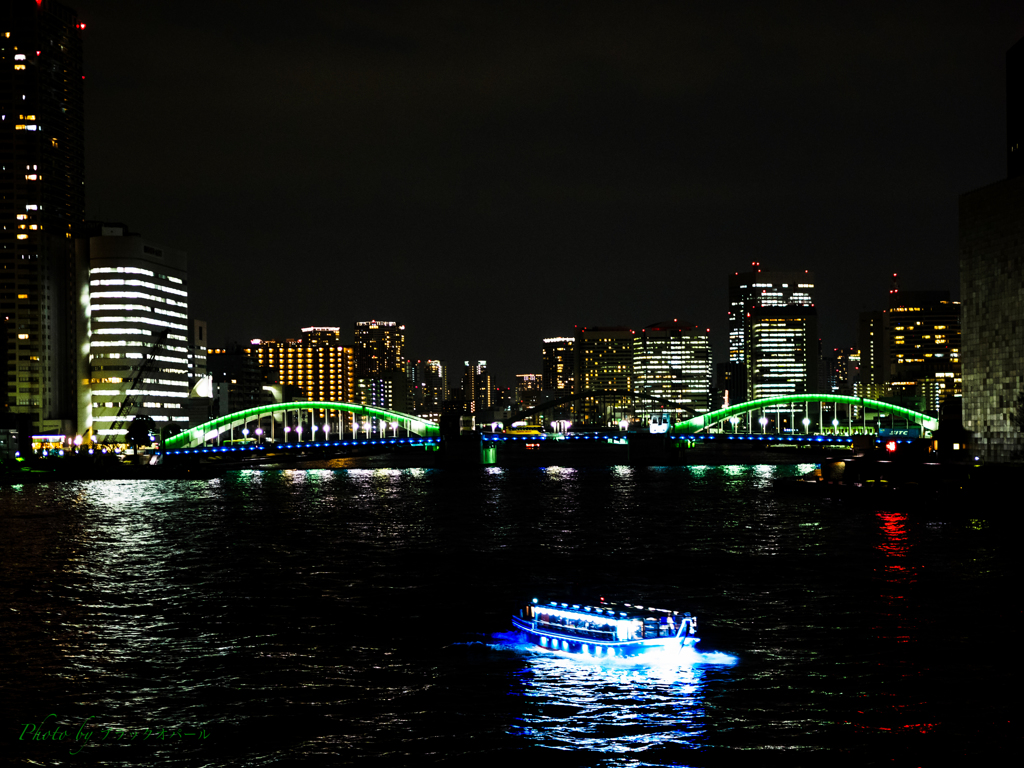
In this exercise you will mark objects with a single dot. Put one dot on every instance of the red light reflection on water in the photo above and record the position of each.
(895, 532)
(897, 574)
(918, 727)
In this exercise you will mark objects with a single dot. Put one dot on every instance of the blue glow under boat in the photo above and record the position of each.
(605, 629)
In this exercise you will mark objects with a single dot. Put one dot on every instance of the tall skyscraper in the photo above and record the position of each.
(42, 173)
(992, 290)
(557, 360)
(133, 334)
(603, 360)
(672, 361)
(755, 289)
(782, 356)
(380, 364)
(476, 385)
(428, 386)
(924, 348)
(873, 338)
(318, 365)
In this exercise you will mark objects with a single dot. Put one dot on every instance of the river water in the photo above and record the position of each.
(316, 617)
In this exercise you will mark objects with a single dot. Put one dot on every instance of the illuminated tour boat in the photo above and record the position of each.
(605, 629)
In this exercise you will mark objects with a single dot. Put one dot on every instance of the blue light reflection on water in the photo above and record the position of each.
(616, 708)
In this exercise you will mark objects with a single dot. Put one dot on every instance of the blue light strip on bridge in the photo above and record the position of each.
(420, 441)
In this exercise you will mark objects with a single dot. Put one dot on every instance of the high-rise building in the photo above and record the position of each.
(133, 334)
(557, 361)
(782, 356)
(318, 365)
(528, 389)
(755, 289)
(672, 361)
(42, 173)
(873, 339)
(603, 361)
(992, 290)
(476, 385)
(428, 386)
(847, 367)
(380, 364)
(924, 348)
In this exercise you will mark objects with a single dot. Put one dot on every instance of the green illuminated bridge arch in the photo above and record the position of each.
(773, 404)
(273, 419)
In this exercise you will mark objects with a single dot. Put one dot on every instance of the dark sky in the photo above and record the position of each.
(492, 173)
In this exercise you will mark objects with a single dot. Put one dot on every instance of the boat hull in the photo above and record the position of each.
(587, 646)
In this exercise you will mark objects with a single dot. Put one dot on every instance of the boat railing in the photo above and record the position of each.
(578, 629)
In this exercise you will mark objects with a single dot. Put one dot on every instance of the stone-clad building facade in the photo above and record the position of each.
(992, 295)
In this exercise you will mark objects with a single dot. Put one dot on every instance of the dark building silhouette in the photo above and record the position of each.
(992, 292)
(1015, 110)
(42, 175)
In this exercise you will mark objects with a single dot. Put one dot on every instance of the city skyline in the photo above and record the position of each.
(575, 168)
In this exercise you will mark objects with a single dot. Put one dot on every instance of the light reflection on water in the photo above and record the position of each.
(611, 706)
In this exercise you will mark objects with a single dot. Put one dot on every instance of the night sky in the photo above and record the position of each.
(492, 173)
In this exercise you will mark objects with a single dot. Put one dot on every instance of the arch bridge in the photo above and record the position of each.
(827, 419)
(276, 422)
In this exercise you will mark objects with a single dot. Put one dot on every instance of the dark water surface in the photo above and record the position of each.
(334, 616)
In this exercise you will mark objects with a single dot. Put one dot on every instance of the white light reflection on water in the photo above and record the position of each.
(612, 706)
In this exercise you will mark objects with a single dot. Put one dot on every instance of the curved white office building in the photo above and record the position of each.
(134, 349)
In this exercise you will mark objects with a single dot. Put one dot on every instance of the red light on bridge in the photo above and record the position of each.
(890, 446)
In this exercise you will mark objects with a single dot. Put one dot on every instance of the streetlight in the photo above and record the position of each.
(286, 431)
(733, 420)
(763, 421)
(835, 425)
(259, 435)
(806, 423)
(394, 428)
